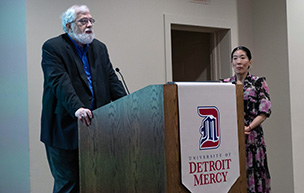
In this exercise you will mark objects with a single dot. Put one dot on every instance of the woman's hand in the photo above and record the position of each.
(258, 120)
(247, 130)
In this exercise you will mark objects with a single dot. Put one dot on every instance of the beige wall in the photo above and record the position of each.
(295, 58)
(134, 32)
(271, 53)
(263, 27)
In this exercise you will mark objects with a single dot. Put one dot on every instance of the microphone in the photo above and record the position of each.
(123, 80)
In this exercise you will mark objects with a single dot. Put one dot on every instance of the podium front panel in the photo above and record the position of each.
(123, 150)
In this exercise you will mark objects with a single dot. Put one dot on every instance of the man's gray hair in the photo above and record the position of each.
(70, 14)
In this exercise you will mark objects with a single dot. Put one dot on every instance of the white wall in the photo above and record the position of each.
(295, 58)
(134, 33)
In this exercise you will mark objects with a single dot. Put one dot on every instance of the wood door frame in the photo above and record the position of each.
(218, 28)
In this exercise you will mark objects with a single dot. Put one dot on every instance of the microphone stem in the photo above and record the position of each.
(123, 80)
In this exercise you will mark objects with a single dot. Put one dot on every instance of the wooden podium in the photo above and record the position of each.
(133, 145)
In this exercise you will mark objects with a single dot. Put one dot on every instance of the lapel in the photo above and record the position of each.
(76, 59)
(80, 68)
(92, 63)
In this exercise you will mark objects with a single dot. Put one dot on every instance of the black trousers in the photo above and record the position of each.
(64, 168)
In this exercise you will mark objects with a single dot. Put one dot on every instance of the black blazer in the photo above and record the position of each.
(66, 88)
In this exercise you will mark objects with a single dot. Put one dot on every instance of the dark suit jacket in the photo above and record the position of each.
(66, 88)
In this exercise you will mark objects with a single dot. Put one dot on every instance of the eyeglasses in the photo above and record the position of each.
(85, 21)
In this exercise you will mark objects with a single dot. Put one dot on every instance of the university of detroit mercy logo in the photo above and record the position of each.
(209, 129)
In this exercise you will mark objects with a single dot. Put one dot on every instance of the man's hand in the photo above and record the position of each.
(85, 115)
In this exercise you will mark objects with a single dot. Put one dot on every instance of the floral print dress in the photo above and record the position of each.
(256, 102)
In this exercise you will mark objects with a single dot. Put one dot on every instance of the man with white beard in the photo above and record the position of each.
(78, 78)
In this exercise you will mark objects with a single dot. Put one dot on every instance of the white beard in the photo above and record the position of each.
(83, 38)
